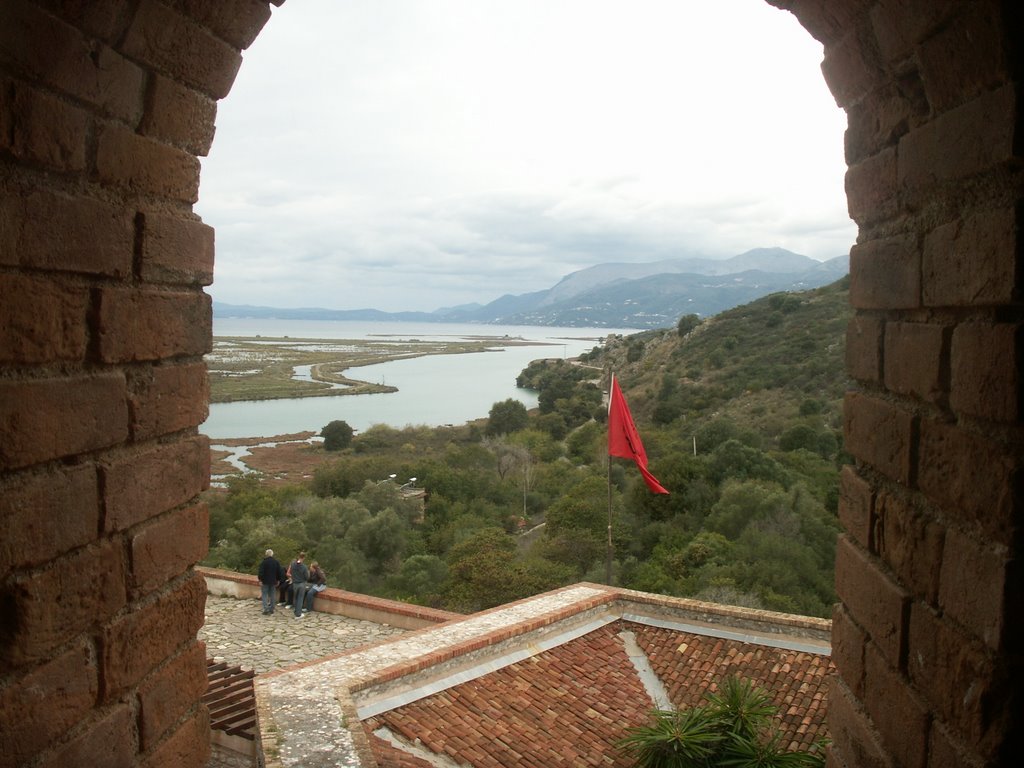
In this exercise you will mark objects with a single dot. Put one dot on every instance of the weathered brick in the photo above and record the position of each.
(853, 738)
(236, 21)
(168, 398)
(153, 325)
(142, 485)
(987, 363)
(178, 115)
(189, 745)
(6, 119)
(901, 719)
(848, 642)
(47, 131)
(56, 54)
(48, 419)
(94, 238)
(944, 751)
(856, 507)
(169, 546)
(42, 320)
(864, 347)
(145, 166)
(874, 601)
(108, 742)
(885, 274)
(871, 189)
(47, 609)
(39, 707)
(139, 641)
(972, 263)
(182, 48)
(102, 18)
(850, 69)
(972, 587)
(176, 250)
(971, 478)
(910, 543)
(879, 434)
(43, 515)
(914, 360)
(900, 25)
(964, 58)
(169, 693)
(968, 140)
(943, 660)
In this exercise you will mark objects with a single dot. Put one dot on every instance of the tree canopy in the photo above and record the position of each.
(337, 435)
(750, 450)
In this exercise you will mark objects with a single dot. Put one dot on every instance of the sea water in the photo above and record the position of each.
(433, 390)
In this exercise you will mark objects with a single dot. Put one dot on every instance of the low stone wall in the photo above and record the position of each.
(335, 601)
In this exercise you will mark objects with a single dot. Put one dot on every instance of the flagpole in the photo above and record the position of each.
(608, 559)
(608, 555)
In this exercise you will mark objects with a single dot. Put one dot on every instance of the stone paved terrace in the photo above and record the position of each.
(237, 632)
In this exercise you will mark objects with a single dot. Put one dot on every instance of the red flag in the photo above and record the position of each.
(624, 440)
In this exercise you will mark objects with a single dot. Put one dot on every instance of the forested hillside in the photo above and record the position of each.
(740, 416)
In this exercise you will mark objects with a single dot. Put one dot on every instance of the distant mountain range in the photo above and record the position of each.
(615, 295)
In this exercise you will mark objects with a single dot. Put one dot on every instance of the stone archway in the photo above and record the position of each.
(104, 108)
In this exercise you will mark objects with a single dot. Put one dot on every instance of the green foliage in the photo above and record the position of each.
(734, 727)
(733, 459)
(421, 578)
(798, 436)
(686, 324)
(588, 444)
(486, 572)
(743, 502)
(811, 407)
(582, 507)
(350, 474)
(552, 423)
(381, 539)
(507, 416)
(750, 520)
(337, 435)
(562, 387)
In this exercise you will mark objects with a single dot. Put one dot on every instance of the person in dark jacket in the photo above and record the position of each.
(317, 584)
(299, 574)
(270, 574)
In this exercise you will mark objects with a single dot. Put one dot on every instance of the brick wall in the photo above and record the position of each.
(926, 570)
(105, 108)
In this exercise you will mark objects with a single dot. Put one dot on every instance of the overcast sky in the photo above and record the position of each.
(417, 154)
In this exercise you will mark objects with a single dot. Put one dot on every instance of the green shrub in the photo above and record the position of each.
(734, 727)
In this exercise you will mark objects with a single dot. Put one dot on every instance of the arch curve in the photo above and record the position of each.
(105, 108)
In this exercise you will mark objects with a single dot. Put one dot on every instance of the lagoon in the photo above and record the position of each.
(433, 390)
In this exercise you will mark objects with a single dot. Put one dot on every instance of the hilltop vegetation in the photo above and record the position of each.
(740, 416)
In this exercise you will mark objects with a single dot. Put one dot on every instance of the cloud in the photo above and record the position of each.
(381, 153)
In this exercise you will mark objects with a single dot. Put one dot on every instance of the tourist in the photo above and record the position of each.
(270, 574)
(299, 574)
(317, 584)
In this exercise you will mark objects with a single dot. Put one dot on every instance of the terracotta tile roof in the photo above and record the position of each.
(689, 665)
(561, 707)
(567, 706)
